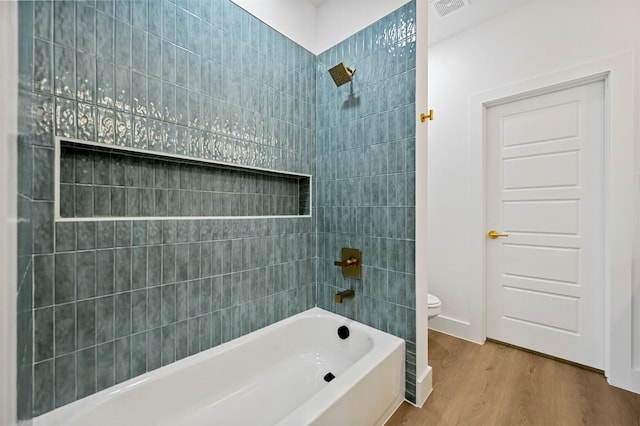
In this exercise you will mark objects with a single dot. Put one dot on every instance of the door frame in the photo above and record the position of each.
(619, 194)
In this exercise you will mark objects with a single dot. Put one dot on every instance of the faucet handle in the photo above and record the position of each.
(349, 263)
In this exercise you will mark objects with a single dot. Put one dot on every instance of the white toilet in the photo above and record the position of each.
(433, 305)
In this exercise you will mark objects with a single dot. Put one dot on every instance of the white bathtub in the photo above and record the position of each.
(273, 376)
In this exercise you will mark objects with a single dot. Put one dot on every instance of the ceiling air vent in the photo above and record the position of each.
(445, 7)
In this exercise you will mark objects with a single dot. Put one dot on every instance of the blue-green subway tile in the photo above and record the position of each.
(206, 294)
(86, 326)
(154, 92)
(118, 173)
(139, 14)
(205, 332)
(168, 67)
(161, 202)
(216, 293)
(43, 334)
(122, 43)
(169, 21)
(182, 28)
(139, 267)
(182, 301)
(154, 307)
(42, 21)
(182, 262)
(123, 10)
(122, 91)
(194, 335)
(86, 235)
(154, 345)
(124, 122)
(102, 201)
(105, 272)
(86, 377)
(118, 202)
(105, 234)
(64, 23)
(169, 231)
(138, 354)
(138, 311)
(43, 280)
(64, 72)
(84, 201)
(194, 298)
(140, 127)
(182, 339)
(146, 173)
(105, 365)
(139, 50)
(155, 18)
(65, 379)
(106, 6)
(194, 259)
(86, 121)
(147, 202)
(85, 274)
(85, 78)
(105, 84)
(64, 328)
(154, 265)
(26, 167)
(139, 233)
(65, 277)
(65, 236)
(123, 359)
(154, 231)
(168, 344)
(216, 328)
(168, 309)
(123, 233)
(42, 172)
(43, 387)
(85, 28)
(42, 226)
(105, 126)
(139, 93)
(122, 314)
(122, 269)
(104, 319)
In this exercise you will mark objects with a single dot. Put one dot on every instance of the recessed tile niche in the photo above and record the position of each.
(97, 181)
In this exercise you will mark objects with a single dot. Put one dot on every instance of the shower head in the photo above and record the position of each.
(341, 74)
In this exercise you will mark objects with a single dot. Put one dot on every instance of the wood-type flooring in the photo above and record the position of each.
(494, 384)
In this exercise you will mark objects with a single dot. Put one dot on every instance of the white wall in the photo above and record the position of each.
(540, 38)
(8, 208)
(318, 29)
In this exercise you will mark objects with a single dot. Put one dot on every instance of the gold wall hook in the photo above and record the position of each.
(423, 116)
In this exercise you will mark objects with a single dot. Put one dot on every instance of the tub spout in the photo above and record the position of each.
(345, 294)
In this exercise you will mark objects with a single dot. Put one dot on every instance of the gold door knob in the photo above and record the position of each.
(495, 234)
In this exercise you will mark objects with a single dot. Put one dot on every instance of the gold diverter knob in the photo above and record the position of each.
(495, 234)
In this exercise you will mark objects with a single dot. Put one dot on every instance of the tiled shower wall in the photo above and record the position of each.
(366, 177)
(113, 299)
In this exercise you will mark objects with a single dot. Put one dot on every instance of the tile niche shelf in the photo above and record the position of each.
(103, 182)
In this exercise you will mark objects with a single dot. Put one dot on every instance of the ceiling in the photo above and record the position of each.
(320, 24)
(473, 13)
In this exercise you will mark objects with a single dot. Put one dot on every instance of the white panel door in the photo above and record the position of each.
(545, 168)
